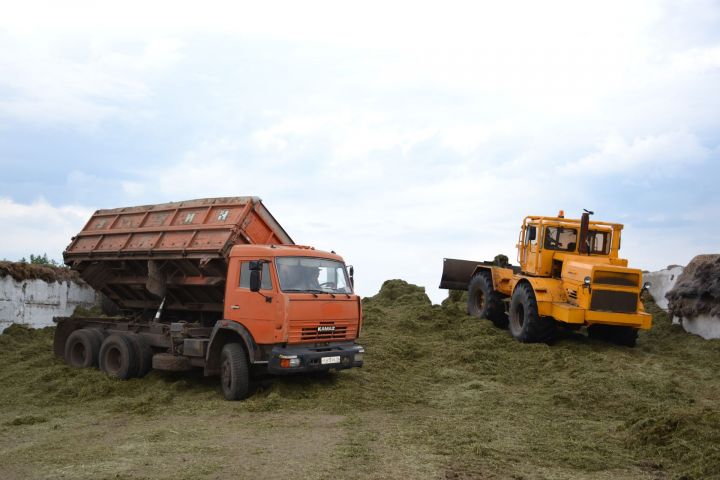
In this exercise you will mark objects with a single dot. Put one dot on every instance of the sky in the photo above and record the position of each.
(395, 133)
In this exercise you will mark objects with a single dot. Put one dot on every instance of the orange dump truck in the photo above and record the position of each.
(214, 284)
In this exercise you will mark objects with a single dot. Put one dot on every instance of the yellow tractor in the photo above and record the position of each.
(569, 276)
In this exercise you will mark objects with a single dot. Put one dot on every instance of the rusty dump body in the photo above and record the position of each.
(137, 256)
(214, 283)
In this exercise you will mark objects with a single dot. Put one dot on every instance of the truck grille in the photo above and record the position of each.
(321, 331)
(612, 301)
(312, 333)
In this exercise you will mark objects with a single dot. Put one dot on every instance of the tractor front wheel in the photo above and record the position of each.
(526, 325)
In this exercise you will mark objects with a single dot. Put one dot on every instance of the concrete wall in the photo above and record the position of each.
(36, 302)
(662, 282)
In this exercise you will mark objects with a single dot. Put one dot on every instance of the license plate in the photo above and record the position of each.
(328, 360)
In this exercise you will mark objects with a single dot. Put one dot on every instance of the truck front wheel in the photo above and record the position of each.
(484, 302)
(234, 372)
(526, 325)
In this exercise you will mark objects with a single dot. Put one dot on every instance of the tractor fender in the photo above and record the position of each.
(546, 290)
(501, 277)
(482, 268)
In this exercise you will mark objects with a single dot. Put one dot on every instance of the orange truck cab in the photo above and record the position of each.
(302, 314)
(213, 284)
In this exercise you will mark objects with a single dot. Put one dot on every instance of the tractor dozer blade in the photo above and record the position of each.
(456, 273)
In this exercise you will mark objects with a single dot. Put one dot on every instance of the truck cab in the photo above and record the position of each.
(302, 307)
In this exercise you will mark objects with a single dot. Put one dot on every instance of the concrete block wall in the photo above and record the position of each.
(36, 302)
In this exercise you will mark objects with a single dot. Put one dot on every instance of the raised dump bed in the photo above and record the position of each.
(138, 256)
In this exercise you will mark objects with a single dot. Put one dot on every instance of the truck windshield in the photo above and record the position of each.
(315, 275)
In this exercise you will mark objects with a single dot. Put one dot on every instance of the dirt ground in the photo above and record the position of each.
(442, 395)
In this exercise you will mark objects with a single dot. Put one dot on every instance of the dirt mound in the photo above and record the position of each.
(28, 271)
(697, 291)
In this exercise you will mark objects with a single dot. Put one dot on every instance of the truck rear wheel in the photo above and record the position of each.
(82, 348)
(118, 357)
(144, 354)
(526, 325)
(484, 301)
(234, 372)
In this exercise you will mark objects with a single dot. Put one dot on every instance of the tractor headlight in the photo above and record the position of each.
(586, 281)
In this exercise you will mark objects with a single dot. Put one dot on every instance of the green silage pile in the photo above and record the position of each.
(461, 394)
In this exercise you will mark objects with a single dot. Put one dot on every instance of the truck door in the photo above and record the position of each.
(257, 311)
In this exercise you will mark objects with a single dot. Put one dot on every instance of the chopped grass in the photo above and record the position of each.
(441, 394)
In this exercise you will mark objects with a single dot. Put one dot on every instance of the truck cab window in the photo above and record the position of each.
(559, 238)
(309, 274)
(265, 284)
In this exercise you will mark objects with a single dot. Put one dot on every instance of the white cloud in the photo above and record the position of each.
(661, 154)
(393, 132)
(48, 80)
(38, 227)
(697, 60)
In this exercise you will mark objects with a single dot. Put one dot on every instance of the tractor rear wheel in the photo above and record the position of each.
(484, 301)
(526, 325)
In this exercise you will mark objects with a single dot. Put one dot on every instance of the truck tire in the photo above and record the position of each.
(526, 325)
(484, 302)
(234, 372)
(626, 336)
(144, 354)
(82, 348)
(118, 357)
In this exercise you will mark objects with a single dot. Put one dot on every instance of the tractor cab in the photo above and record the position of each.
(545, 243)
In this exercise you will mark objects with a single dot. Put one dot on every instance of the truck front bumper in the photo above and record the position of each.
(300, 358)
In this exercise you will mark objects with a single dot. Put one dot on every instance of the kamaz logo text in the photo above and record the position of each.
(326, 328)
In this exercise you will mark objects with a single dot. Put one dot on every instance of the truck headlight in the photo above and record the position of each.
(359, 355)
(289, 361)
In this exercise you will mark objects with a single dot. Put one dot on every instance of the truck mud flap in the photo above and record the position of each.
(457, 273)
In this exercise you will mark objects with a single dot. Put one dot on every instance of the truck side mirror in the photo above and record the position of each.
(351, 274)
(255, 275)
(532, 234)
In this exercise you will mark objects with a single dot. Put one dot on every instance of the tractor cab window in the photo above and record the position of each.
(531, 235)
(560, 238)
(599, 242)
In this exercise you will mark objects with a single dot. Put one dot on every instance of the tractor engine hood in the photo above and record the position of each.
(578, 269)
